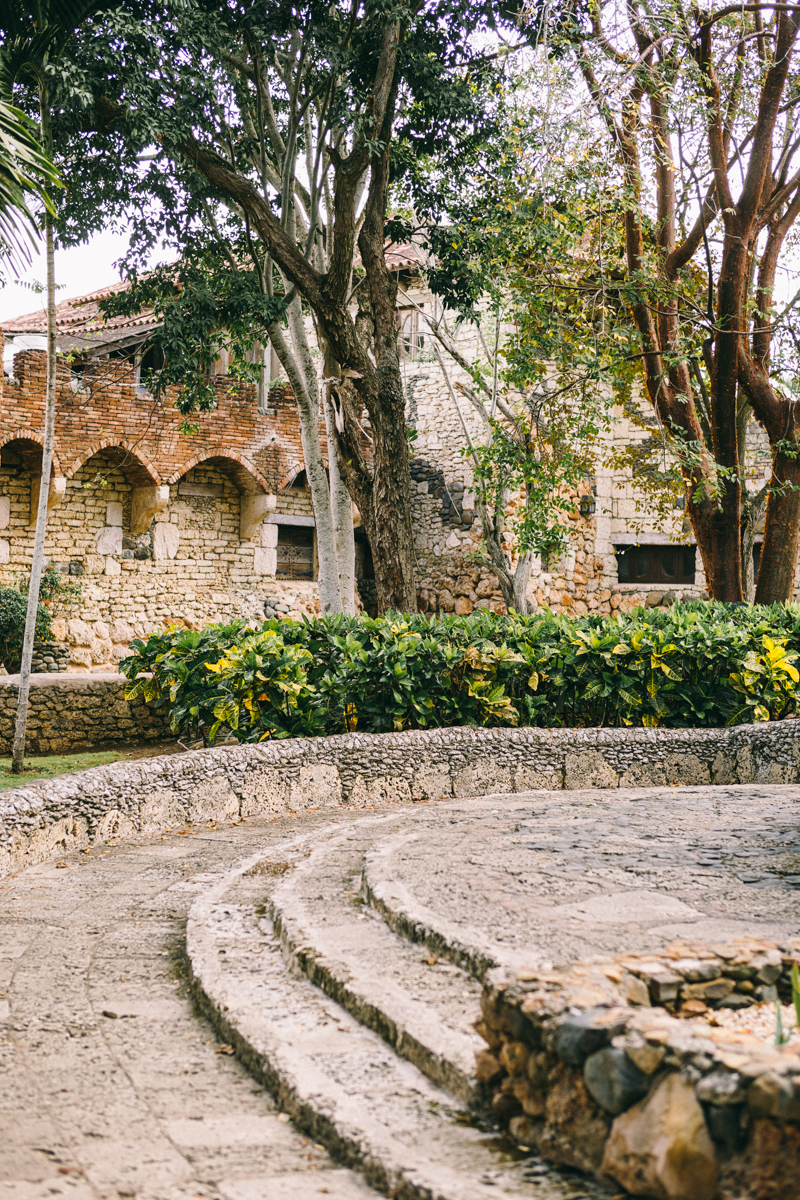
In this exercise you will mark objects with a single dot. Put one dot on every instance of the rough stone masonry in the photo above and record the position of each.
(361, 769)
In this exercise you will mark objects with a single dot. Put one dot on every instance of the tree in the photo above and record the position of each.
(700, 110)
(25, 171)
(290, 120)
(512, 240)
(32, 43)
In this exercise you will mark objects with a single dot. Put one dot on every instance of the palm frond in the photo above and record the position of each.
(25, 173)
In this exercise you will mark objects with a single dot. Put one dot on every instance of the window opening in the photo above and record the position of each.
(656, 564)
(295, 552)
(151, 360)
(410, 340)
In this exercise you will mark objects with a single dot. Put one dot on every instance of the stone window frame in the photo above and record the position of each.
(288, 519)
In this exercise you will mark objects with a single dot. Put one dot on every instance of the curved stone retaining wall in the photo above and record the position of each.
(75, 811)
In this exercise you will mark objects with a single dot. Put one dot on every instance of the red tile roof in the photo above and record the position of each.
(81, 325)
(403, 256)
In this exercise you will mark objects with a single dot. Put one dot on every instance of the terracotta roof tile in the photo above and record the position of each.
(80, 323)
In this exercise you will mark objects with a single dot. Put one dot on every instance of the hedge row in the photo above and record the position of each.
(697, 664)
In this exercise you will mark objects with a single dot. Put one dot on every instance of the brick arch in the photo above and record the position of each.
(290, 475)
(134, 466)
(32, 445)
(242, 472)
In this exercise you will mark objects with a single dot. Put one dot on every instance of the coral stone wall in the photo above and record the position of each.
(450, 573)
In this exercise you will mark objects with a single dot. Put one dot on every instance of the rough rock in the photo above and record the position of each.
(661, 1148)
(613, 1080)
(79, 633)
(581, 1034)
(121, 631)
(166, 540)
(575, 1128)
(769, 1166)
(109, 540)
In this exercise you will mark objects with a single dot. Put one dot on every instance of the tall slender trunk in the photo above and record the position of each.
(305, 394)
(342, 512)
(18, 752)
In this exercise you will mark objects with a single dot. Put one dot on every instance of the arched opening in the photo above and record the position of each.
(133, 468)
(215, 474)
(20, 480)
(111, 495)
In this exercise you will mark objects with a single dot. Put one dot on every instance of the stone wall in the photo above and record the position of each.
(610, 1067)
(159, 526)
(68, 712)
(41, 820)
(451, 575)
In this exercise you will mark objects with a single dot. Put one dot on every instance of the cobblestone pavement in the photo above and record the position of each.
(110, 1085)
(593, 872)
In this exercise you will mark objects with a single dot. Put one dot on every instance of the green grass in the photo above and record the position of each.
(49, 765)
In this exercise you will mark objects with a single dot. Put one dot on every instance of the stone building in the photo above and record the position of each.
(160, 525)
(163, 525)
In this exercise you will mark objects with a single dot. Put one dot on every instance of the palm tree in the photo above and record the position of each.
(25, 171)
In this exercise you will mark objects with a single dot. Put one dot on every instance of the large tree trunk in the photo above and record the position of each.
(719, 543)
(388, 522)
(781, 532)
(37, 563)
(387, 514)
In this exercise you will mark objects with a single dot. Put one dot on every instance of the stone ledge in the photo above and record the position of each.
(69, 712)
(65, 680)
(609, 1067)
(359, 769)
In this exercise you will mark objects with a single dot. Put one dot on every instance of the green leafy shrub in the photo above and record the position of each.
(698, 664)
(13, 607)
(60, 593)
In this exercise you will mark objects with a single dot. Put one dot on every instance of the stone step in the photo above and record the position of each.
(340, 1081)
(385, 890)
(422, 1006)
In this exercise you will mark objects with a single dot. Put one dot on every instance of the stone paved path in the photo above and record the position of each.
(576, 874)
(110, 1085)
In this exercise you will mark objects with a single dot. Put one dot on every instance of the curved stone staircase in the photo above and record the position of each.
(351, 990)
(364, 1035)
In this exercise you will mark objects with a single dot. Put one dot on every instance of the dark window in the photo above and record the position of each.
(295, 552)
(656, 564)
(151, 360)
(410, 337)
(300, 480)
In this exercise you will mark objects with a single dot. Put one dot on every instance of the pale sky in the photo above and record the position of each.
(83, 269)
